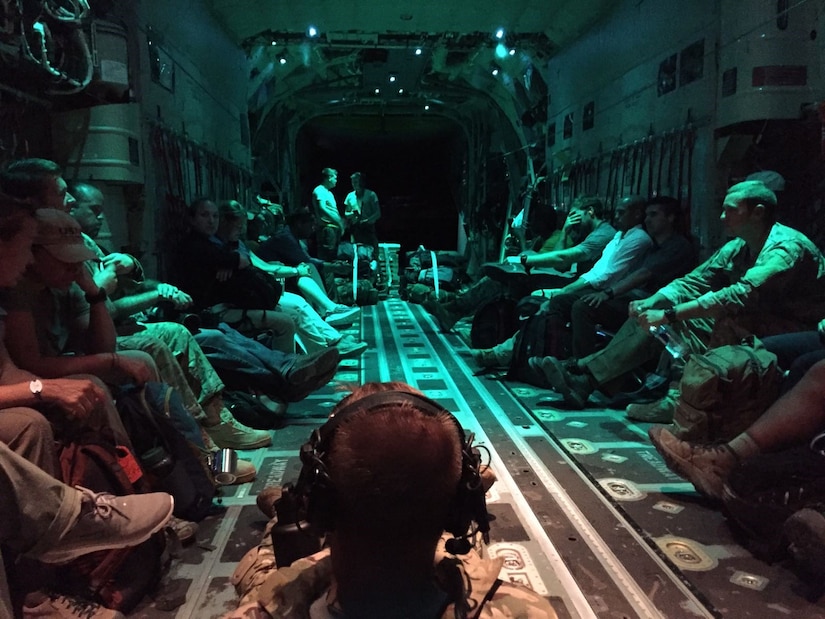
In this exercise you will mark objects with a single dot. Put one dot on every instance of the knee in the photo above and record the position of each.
(19, 422)
(146, 358)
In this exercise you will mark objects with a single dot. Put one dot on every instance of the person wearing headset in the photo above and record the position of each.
(397, 488)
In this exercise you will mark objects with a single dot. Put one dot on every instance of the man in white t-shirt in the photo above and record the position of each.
(330, 222)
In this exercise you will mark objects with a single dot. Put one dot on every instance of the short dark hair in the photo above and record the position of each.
(396, 469)
(670, 206)
(197, 203)
(26, 178)
(754, 193)
(327, 172)
(231, 210)
(80, 189)
(586, 203)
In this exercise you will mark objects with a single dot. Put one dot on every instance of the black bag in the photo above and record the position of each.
(250, 288)
(531, 340)
(165, 454)
(248, 409)
(493, 323)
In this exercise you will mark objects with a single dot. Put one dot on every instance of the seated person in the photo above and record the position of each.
(289, 243)
(43, 518)
(622, 254)
(218, 279)
(670, 256)
(41, 182)
(586, 220)
(231, 231)
(365, 466)
(217, 275)
(769, 279)
(23, 427)
(180, 360)
(47, 309)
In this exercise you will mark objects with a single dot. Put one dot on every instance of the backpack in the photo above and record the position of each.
(367, 293)
(531, 339)
(724, 390)
(250, 288)
(120, 578)
(150, 415)
(493, 323)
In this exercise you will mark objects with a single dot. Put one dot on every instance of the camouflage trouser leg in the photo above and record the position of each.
(171, 369)
(201, 377)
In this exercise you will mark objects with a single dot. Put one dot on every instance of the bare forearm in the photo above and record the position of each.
(126, 306)
(101, 336)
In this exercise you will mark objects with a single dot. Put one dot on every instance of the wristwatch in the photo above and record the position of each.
(100, 297)
(36, 387)
(670, 314)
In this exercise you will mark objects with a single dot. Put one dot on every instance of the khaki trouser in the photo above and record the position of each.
(36, 512)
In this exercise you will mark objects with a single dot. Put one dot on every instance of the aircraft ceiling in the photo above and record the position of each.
(363, 61)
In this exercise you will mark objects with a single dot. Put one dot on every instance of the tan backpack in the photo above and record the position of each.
(724, 390)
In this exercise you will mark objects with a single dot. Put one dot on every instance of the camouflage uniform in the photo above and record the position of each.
(182, 364)
(288, 593)
(780, 290)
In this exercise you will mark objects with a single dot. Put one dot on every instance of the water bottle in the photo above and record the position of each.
(675, 345)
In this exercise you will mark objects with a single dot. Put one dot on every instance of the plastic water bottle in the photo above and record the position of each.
(675, 345)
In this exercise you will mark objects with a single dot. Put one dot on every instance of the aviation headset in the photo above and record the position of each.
(315, 490)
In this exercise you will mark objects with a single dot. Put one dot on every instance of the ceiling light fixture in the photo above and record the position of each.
(500, 34)
(418, 51)
(312, 32)
(392, 79)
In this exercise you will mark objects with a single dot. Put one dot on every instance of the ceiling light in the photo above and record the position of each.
(378, 91)
(312, 32)
(392, 79)
(495, 72)
(500, 34)
(426, 107)
(400, 91)
(512, 52)
(274, 43)
(418, 51)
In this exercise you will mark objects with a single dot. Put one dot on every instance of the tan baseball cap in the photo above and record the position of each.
(60, 235)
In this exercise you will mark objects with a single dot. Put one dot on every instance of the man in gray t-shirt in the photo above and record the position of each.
(548, 269)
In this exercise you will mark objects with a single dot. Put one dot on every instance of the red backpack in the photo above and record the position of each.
(117, 579)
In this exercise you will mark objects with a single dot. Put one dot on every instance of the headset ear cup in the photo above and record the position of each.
(470, 503)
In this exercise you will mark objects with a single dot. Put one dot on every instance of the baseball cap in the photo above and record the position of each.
(60, 235)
